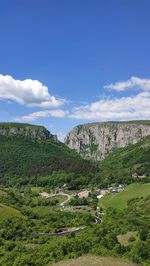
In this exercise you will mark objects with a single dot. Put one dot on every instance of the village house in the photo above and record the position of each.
(135, 174)
(83, 194)
(44, 195)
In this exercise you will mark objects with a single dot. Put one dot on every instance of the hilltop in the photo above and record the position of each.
(19, 129)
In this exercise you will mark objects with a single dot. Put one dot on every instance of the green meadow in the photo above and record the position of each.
(119, 200)
(8, 212)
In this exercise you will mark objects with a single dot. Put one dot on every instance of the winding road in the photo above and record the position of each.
(65, 233)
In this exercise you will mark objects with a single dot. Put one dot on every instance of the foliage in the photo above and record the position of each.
(20, 246)
(24, 160)
(121, 163)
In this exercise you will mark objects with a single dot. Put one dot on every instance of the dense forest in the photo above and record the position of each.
(30, 158)
(26, 160)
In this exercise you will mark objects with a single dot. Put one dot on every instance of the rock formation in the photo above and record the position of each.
(36, 132)
(96, 140)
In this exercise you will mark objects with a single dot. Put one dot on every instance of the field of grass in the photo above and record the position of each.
(95, 261)
(119, 200)
(37, 189)
(124, 239)
(8, 212)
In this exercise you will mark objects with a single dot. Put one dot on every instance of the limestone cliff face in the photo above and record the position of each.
(96, 140)
(36, 132)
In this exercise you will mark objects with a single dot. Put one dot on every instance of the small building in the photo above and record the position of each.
(135, 174)
(104, 191)
(78, 207)
(44, 195)
(83, 194)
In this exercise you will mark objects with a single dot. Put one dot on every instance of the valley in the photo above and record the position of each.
(56, 206)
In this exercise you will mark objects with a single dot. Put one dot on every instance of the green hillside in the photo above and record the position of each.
(123, 162)
(120, 200)
(8, 212)
(22, 156)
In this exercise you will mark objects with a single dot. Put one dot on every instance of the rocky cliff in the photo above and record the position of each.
(96, 140)
(36, 132)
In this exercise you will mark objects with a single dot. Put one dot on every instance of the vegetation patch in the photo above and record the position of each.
(95, 261)
(128, 238)
(8, 212)
(120, 200)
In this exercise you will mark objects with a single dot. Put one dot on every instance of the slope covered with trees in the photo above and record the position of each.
(28, 152)
(22, 156)
(129, 164)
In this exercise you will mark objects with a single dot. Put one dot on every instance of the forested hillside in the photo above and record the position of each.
(123, 163)
(22, 156)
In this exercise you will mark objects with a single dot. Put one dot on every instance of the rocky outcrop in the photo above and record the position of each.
(36, 132)
(96, 140)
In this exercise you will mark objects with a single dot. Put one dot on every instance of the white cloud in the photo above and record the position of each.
(41, 114)
(125, 108)
(27, 92)
(133, 82)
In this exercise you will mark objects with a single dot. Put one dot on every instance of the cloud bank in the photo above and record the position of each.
(133, 82)
(33, 93)
(27, 92)
(124, 108)
(42, 114)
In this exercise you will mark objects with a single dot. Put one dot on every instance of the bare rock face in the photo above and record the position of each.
(18, 129)
(96, 140)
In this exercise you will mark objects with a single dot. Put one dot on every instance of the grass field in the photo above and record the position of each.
(95, 261)
(37, 189)
(124, 238)
(119, 200)
(8, 212)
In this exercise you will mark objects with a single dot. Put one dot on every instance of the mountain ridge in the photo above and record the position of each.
(20, 129)
(96, 140)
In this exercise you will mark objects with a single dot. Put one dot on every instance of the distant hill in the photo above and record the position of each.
(27, 150)
(19, 129)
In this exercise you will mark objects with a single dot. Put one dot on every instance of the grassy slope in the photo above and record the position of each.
(8, 212)
(119, 200)
(95, 261)
(124, 238)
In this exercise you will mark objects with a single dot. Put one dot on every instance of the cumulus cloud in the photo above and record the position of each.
(41, 114)
(133, 82)
(27, 92)
(124, 108)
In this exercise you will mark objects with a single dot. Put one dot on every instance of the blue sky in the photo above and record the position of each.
(67, 62)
